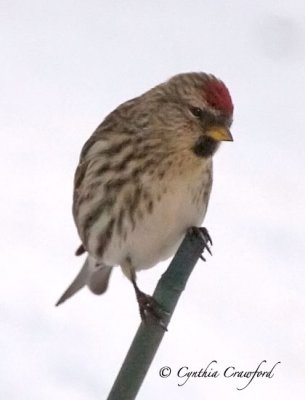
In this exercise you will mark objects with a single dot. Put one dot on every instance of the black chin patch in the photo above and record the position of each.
(205, 146)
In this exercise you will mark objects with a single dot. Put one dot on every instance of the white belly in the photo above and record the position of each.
(161, 233)
(158, 234)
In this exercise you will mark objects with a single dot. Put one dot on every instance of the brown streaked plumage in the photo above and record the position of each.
(145, 175)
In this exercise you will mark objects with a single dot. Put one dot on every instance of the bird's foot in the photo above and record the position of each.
(205, 237)
(150, 309)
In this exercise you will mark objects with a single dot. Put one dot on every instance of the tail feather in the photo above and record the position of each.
(98, 281)
(95, 276)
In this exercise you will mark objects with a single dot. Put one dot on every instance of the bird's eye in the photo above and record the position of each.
(197, 112)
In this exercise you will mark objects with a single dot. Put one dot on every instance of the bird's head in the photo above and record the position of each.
(197, 110)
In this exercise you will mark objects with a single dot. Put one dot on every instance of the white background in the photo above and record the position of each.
(64, 66)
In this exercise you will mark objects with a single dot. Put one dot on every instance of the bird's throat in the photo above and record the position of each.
(205, 147)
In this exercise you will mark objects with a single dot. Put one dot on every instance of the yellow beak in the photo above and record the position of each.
(219, 134)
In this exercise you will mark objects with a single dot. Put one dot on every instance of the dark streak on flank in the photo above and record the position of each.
(114, 149)
(94, 215)
(105, 237)
(161, 174)
(145, 195)
(115, 184)
(120, 221)
(80, 174)
(136, 172)
(134, 205)
(104, 168)
(123, 164)
(150, 206)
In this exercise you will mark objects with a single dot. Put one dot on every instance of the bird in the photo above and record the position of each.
(144, 178)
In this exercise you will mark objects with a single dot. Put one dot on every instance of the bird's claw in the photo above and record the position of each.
(204, 235)
(202, 258)
(150, 308)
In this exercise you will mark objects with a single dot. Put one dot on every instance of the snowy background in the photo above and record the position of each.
(64, 66)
